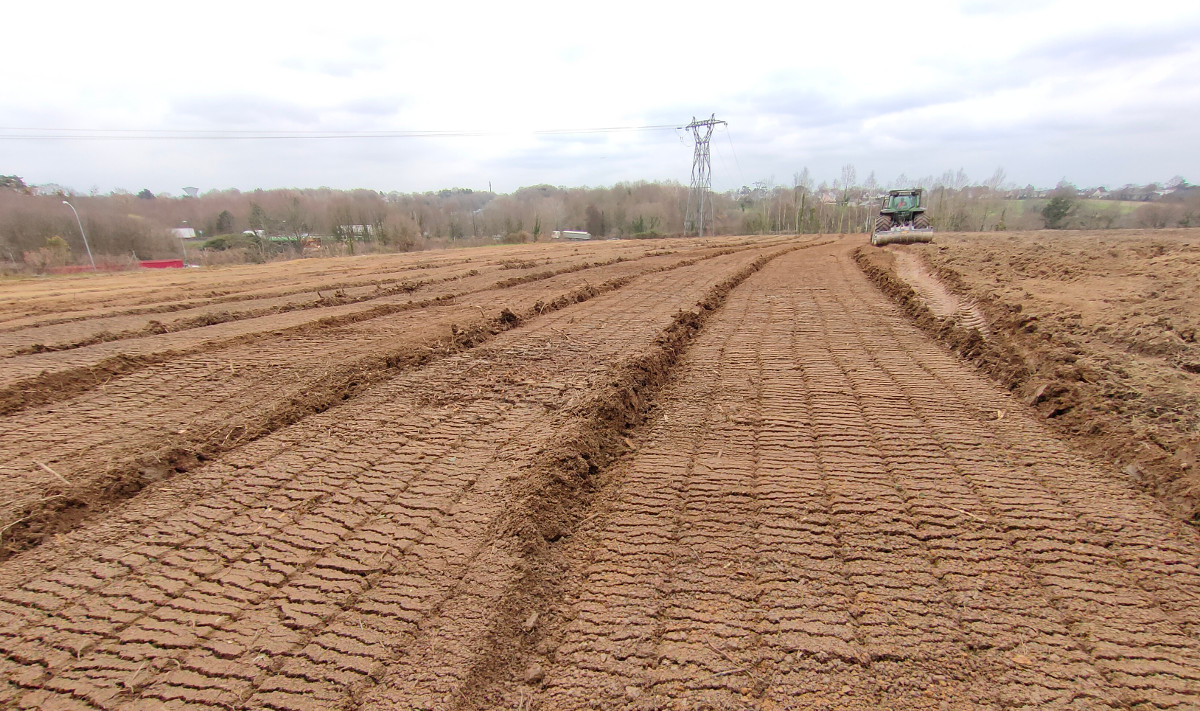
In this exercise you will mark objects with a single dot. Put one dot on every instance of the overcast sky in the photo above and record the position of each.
(1098, 92)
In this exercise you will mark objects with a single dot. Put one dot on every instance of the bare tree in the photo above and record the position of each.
(995, 182)
(849, 180)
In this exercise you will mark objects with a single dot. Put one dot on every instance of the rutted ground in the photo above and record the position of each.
(824, 509)
(71, 458)
(1105, 327)
(940, 299)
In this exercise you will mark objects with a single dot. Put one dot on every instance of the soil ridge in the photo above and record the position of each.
(1080, 401)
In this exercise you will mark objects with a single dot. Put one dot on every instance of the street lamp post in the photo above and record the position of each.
(184, 244)
(81, 234)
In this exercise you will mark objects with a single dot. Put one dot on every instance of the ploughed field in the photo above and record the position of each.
(1107, 326)
(722, 473)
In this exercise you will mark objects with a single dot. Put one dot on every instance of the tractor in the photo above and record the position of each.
(902, 219)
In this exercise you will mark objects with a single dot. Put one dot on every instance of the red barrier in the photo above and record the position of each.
(162, 264)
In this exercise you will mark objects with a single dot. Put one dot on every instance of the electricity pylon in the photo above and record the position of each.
(698, 200)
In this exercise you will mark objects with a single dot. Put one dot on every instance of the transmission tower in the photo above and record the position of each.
(699, 203)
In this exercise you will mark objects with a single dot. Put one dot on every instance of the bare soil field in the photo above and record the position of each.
(1104, 326)
(723, 474)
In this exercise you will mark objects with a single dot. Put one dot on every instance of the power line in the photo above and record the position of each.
(124, 134)
(735, 158)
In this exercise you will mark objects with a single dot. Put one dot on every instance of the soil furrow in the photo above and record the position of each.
(243, 284)
(735, 481)
(57, 375)
(940, 510)
(26, 524)
(50, 505)
(127, 643)
(314, 289)
(552, 500)
(1078, 543)
(914, 581)
(333, 296)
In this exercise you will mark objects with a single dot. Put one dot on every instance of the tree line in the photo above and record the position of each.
(36, 229)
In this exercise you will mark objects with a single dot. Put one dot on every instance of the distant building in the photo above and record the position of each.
(354, 231)
(183, 232)
(570, 234)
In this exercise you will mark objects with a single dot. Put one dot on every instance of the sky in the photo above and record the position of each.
(417, 97)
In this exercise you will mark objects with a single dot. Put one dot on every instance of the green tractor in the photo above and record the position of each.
(902, 219)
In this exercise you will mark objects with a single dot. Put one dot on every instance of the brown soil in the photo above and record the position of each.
(701, 478)
(180, 410)
(1105, 326)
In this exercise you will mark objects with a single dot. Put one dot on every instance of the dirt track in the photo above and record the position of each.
(735, 476)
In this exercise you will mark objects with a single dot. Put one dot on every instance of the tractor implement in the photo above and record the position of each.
(901, 220)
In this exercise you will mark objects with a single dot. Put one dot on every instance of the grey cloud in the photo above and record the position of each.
(243, 111)
(795, 106)
(1112, 46)
(265, 113)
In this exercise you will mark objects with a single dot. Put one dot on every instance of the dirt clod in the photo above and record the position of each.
(535, 674)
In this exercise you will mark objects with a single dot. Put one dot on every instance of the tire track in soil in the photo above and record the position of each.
(117, 610)
(899, 552)
(180, 436)
(940, 299)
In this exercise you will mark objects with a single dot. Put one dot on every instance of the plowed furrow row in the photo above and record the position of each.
(352, 537)
(115, 295)
(823, 518)
(263, 450)
(986, 634)
(451, 656)
(730, 561)
(317, 313)
(1093, 571)
(98, 328)
(646, 620)
(201, 404)
(380, 279)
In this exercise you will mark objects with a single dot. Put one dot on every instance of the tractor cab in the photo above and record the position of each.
(901, 201)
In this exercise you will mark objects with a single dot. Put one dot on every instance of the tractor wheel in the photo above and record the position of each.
(883, 223)
(921, 222)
